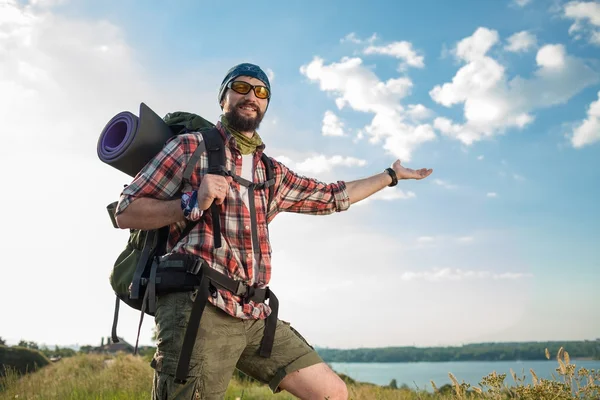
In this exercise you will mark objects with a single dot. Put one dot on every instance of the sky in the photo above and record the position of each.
(500, 98)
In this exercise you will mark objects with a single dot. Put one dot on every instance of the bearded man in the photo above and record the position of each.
(232, 332)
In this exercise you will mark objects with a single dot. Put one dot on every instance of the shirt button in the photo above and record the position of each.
(239, 156)
(247, 227)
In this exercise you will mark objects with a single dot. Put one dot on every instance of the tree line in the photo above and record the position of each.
(45, 350)
(505, 351)
(589, 349)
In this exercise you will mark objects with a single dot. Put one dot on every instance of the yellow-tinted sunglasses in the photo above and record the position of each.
(241, 87)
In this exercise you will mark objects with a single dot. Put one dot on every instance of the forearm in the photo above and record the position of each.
(146, 213)
(363, 188)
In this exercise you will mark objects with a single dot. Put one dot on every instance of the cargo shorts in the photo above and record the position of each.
(223, 343)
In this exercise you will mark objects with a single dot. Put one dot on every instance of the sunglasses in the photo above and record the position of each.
(241, 87)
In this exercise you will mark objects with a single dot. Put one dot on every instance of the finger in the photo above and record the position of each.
(220, 196)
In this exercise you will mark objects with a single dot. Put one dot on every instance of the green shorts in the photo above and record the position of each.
(223, 343)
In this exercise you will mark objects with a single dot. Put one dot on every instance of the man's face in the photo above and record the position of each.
(244, 111)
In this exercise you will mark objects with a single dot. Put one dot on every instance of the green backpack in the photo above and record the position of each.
(131, 272)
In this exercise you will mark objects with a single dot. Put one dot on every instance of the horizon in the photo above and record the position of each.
(501, 99)
(78, 346)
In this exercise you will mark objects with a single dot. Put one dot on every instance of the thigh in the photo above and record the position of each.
(315, 382)
(220, 341)
(291, 352)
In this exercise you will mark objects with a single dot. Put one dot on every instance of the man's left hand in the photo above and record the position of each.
(408, 173)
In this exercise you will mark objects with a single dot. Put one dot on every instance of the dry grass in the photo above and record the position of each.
(127, 377)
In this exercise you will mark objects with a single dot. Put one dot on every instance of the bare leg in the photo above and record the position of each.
(317, 382)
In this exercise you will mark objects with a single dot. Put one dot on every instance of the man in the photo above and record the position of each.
(232, 328)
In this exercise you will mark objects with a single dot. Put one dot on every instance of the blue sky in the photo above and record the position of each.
(500, 98)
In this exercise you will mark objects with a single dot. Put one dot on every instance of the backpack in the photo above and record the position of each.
(132, 269)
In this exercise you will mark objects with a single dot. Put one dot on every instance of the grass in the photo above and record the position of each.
(97, 377)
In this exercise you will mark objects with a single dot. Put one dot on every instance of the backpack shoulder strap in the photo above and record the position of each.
(215, 149)
(268, 163)
(187, 173)
(189, 168)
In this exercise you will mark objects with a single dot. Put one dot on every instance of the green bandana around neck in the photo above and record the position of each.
(244, 144)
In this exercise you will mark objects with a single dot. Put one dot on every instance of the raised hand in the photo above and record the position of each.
(213, 188)
(408, 173)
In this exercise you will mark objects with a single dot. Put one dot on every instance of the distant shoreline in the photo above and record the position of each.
(486, 352)
(552, 360)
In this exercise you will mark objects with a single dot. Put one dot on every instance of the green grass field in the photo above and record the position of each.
(124, 377)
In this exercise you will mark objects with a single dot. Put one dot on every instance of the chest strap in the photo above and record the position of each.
(251, 206)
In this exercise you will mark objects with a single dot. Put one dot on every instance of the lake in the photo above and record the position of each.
(421, 373)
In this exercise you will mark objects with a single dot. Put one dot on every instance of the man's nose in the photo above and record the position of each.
(251, 95)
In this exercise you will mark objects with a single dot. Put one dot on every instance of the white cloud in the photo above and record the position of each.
(352, 38)
(457, 274)
(551, 56)
(285, 160)
(480, 157)
(588, 131)
(419, 112)
(59, 85)
(61, 80)
(521, 42)
(444, 184)
(518, 177)
(522, 3)
(402, 50)
(319, 164)
(465, 239)
(270, 74)
(387, 194)
(492, 102)
(586, 16)
(332, 126)
(358, 87)
(475, 47)
(443, 241)
(492, 194)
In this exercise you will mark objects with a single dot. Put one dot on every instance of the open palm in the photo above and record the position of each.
(409, 173)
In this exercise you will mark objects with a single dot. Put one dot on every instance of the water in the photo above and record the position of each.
(421, 373)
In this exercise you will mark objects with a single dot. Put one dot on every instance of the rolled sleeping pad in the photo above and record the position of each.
(127, 142)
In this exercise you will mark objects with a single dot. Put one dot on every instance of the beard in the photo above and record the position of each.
(241, 123)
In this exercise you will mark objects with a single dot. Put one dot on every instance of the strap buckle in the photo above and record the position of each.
(196, 266)
(242, 289)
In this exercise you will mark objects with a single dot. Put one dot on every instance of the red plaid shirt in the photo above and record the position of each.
(161, 179)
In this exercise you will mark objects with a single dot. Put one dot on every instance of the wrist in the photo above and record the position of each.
(393, 177)
(189, 206)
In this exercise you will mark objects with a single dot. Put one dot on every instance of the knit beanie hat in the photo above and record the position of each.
(245, 69)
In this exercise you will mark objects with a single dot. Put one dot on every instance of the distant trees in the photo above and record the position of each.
(2, 341)
(28, 345)
(471, 352)
(46, 351)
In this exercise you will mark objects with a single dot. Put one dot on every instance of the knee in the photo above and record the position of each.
(340, 390)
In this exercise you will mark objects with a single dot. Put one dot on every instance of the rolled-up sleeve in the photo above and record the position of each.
(304, 195)
(161, 177)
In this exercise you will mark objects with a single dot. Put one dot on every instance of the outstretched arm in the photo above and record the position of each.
(309, 196)
(361, 189)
